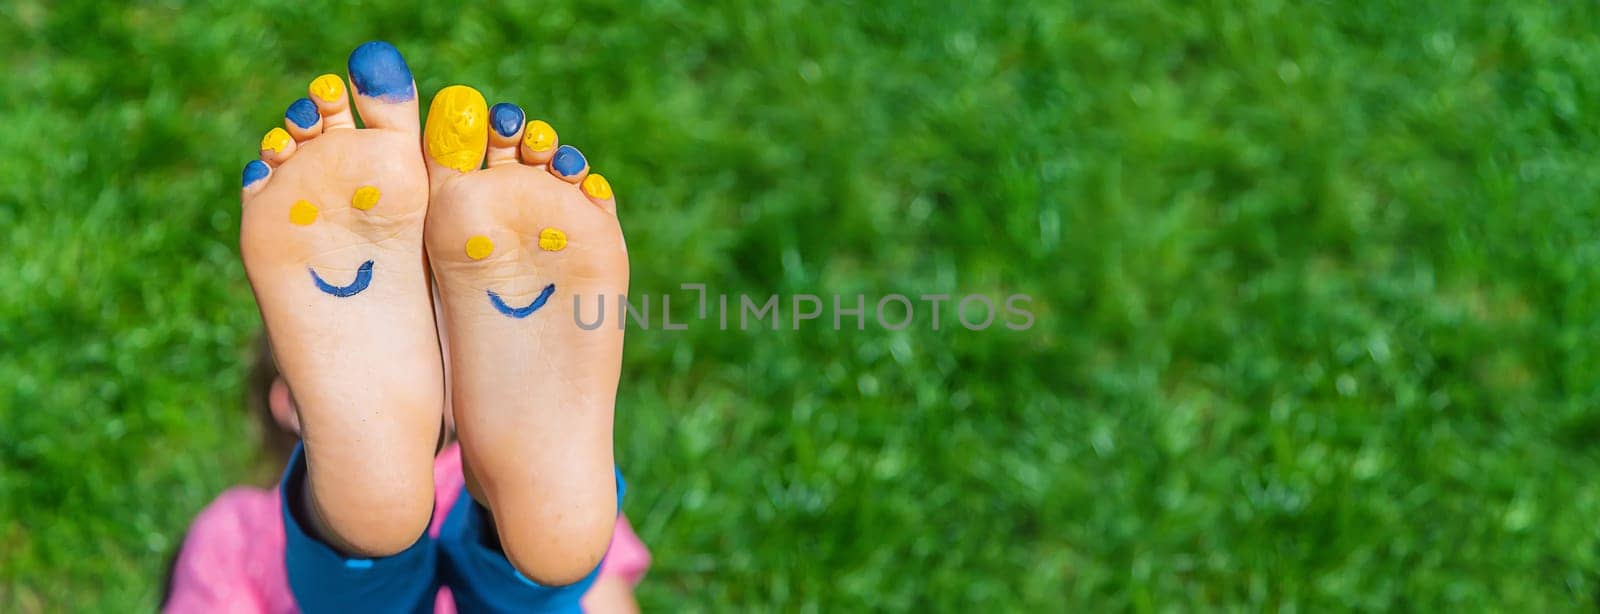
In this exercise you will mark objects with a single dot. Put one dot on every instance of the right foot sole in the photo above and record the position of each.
(512, 245)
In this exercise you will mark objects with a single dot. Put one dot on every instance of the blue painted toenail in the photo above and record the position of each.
(506, 119)
(568, 161)
(255, 171)
(378, 70)
(303, 113)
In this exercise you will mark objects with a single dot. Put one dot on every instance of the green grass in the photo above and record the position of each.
(1317, 291)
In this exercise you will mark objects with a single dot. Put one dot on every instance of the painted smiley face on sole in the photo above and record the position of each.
(480, 247)
(303, 213)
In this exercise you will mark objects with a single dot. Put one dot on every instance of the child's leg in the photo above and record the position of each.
(323, 580)
(331, 237)
(513, 247)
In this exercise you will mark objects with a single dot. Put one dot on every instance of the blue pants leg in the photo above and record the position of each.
(324, 580)
(480, 577)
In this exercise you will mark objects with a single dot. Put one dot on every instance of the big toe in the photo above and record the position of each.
(385, 92)
(457, 133)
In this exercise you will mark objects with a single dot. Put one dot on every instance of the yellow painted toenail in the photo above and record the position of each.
(539, 136)
(330, 88)
(552, 240)
(458, 128)
(302, 213)
(597, 186)
(276, 139)
(479, 247)
(366, 197)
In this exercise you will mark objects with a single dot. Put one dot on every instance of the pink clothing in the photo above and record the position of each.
(232, 558)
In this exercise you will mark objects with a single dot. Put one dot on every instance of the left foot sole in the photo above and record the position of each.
(512, 246)
(331, 238)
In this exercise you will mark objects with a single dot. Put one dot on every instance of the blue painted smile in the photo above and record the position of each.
(363, 277)
(520, 312)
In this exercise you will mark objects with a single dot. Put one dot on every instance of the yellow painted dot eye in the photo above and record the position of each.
(479, 247)
(330, 88)
(302, 213)
(597, 186)
(365, 198)
(539, 136)
(552, 240)
(276, 139)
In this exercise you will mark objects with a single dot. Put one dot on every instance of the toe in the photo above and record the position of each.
(505, 123)
(277, 146)
(538, 143)
(302, 120)
(457, 131)
(386, 95)
(255, 177)
(599, 192)
(569, 164)
(327, 91)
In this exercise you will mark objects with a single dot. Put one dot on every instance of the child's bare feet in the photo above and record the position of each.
(512, 246)
(332, 243)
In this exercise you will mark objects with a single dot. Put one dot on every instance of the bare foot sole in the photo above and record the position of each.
(331, 238)
(512, 245)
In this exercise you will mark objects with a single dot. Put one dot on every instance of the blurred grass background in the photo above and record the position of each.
(1315, 286)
